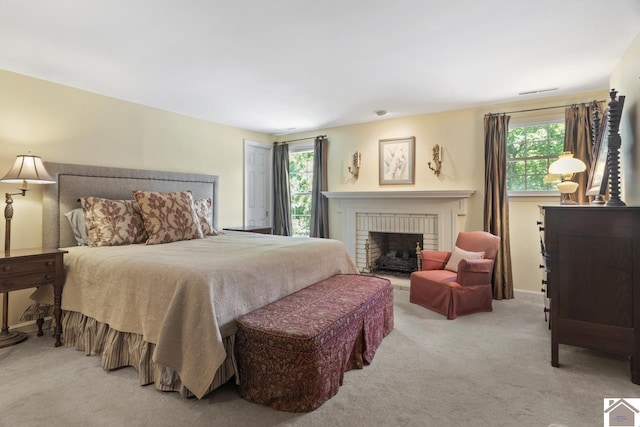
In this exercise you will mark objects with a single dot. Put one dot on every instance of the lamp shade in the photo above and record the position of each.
(28, 168)
(567, 165)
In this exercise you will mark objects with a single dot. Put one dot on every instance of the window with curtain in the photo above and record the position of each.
(531, 149)
(301, 180)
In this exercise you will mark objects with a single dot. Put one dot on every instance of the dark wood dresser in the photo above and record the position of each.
(30, 268)
(593, 277)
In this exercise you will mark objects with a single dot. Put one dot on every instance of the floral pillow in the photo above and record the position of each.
(205, 214)
(113, 222)
(168, 217)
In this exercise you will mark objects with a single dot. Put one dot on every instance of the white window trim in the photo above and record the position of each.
(538, 193)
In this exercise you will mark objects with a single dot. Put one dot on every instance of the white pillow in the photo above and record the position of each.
(458, 255)
(79, 227)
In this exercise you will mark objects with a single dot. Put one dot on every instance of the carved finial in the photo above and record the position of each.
(613, 155)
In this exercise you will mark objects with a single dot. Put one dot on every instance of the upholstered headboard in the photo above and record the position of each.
(75, 181)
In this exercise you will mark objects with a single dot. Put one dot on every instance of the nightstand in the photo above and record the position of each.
(31, 268)
(262, 229)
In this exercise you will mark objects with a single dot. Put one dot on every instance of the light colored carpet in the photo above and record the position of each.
(486, 369)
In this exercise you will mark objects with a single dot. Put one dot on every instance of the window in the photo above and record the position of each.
(300, 182)
(530, 151)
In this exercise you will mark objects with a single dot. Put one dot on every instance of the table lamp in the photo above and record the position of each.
(566, 167)
(26, 169)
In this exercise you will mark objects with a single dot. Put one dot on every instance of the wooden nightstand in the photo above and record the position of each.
(262, 229)
(31, 268)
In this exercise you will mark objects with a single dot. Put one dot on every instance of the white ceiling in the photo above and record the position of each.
(283, 66)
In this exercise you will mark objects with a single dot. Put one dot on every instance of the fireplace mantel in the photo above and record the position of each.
(446, 205)
(438, 194)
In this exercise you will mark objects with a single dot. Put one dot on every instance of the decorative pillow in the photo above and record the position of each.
(113, 222)
(458, 255)
(79, 227)
(205, 215)
(168, 217)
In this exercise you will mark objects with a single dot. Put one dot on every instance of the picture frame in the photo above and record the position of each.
(599, 173)
(397, 161)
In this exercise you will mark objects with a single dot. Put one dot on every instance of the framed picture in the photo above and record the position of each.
(599, 173)
(397, 160)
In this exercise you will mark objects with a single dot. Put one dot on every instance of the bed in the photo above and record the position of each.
(169, 309)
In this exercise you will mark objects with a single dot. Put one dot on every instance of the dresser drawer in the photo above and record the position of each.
(30, 266)
(28, 280)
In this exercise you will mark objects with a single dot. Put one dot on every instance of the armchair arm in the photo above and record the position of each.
(475, 272)
(434, 260)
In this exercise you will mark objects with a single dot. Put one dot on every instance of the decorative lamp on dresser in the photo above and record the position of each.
(593, 272)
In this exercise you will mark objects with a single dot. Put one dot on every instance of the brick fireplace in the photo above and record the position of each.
(429, 214)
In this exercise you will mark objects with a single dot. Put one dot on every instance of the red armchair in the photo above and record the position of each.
(440, 288)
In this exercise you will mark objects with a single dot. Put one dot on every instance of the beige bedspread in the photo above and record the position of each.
(185, 296)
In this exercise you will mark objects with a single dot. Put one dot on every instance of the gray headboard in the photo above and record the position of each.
(75, 181)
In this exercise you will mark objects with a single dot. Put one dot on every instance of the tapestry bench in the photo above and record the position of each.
(293, 353)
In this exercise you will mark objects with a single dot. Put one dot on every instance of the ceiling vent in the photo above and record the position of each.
(531, 92)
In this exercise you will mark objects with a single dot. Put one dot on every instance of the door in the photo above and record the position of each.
(257, 183)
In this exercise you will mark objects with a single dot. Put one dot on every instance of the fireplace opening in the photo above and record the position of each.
(394, 252)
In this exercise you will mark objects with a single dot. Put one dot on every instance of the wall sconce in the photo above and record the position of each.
(26, 169)
(567, 166)
(356, 162)
(437, 160)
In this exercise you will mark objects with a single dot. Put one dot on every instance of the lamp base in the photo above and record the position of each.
(567, 188)
(566, 199)
(9, 338)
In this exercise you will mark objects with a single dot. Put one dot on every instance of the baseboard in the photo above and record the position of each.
(529, 295)
(31, 327)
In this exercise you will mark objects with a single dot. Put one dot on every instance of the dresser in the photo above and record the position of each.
(593, 278)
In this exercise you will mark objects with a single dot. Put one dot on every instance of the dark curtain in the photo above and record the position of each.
(496, 202)
(281, 196)
(578, 139)
(319, 203)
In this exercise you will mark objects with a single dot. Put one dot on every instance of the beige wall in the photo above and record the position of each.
(68, 125)
(626, 79)
(461, 136)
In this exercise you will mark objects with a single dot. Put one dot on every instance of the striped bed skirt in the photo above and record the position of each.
(121, 349)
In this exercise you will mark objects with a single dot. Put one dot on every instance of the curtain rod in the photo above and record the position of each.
(301, 139)
(543, 108)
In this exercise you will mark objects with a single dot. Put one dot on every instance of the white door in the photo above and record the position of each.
(257, 184)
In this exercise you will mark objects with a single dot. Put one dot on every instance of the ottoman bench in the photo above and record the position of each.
(293, 353)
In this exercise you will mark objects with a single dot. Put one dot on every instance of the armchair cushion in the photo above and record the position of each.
(436, 276)
(434, 260)
(475, 272)
(460, 254)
